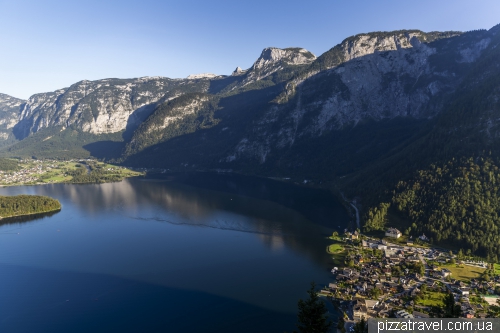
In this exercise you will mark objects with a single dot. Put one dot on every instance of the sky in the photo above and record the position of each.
(47, 45)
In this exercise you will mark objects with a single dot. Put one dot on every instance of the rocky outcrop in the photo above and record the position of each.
(273, 59)
(238, 71)
(102, 106)
(202, 76)
(291, 56)
(179, 116)
(287, 97)
(9, 113)
(364, 44)
(379, 76)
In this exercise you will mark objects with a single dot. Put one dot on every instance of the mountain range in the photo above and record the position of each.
(369, 118)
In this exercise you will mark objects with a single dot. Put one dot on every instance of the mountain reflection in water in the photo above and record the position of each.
(255, 242)
(175, 202)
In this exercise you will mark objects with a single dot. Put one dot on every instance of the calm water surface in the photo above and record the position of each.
(197, 253)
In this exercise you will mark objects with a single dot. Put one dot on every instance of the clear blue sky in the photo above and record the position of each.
(46, 45)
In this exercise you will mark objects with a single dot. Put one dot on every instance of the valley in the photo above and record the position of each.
(403, 125)
(363, 119)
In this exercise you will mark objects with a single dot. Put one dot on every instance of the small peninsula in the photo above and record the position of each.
(21, 205)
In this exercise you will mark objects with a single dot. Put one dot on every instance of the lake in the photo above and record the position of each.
(180, 253)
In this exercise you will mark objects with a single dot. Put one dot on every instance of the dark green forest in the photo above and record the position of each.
(27, 204)
(454, 197)
(96, 175)
(455, 203)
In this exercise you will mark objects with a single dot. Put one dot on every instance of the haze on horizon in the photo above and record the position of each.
(51, 45)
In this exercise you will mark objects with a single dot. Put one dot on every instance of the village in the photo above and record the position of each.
(32, 171)
(389, 277)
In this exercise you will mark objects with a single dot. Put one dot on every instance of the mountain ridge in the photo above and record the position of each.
(370, 113)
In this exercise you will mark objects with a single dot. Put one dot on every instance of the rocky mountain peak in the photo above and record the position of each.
(8, 102)
(289, 56)
(273, 59)
(101, 106)
(238, 71)
(9, 113)
(363, 44)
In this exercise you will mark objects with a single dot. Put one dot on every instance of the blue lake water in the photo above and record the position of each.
(199, 253)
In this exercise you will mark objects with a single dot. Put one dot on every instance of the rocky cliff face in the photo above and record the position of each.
(103, 106)
(113, 105)
(9, 114)
(371, 77)
(376, 76)
(180, 116)
(364, 44)
(273, 59)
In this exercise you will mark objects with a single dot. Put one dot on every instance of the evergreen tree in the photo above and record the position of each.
(341, 324)
(361, 326)
(451, 309)
(312, 316)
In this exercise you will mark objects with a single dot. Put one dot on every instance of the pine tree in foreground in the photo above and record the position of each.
(312, 316)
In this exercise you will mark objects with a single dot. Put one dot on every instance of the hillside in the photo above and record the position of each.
(9, 113)
(445, 182)
(368, 117)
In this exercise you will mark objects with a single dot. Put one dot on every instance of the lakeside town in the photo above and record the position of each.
(34, 172)
(404, 278)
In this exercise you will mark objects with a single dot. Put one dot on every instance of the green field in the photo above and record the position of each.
(432, 298)
(52, 171)
(335, 248)
(464, 272)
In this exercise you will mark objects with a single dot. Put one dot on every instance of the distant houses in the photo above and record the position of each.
(403, 314)
(424, 238)
(445, 272)
(352, 236)
(387, 280)
(393, 232)
(368, 308)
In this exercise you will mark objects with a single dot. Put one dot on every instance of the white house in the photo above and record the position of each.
(393, 232)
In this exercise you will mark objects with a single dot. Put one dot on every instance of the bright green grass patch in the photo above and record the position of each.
(335, 248)
(465, 272)
(338, 252)
(432, 298)
(496, 267)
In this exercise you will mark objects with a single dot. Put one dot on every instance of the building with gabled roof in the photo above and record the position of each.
(393, 232)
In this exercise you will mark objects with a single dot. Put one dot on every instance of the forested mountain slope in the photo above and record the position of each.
(366, 116)
(453, 197)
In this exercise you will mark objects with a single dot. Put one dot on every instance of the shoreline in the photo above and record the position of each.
(30, 214)
(67, 182)
(43, 172)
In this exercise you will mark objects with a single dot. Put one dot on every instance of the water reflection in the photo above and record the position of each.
(131, 230)
(26, 218)
(214, 201)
